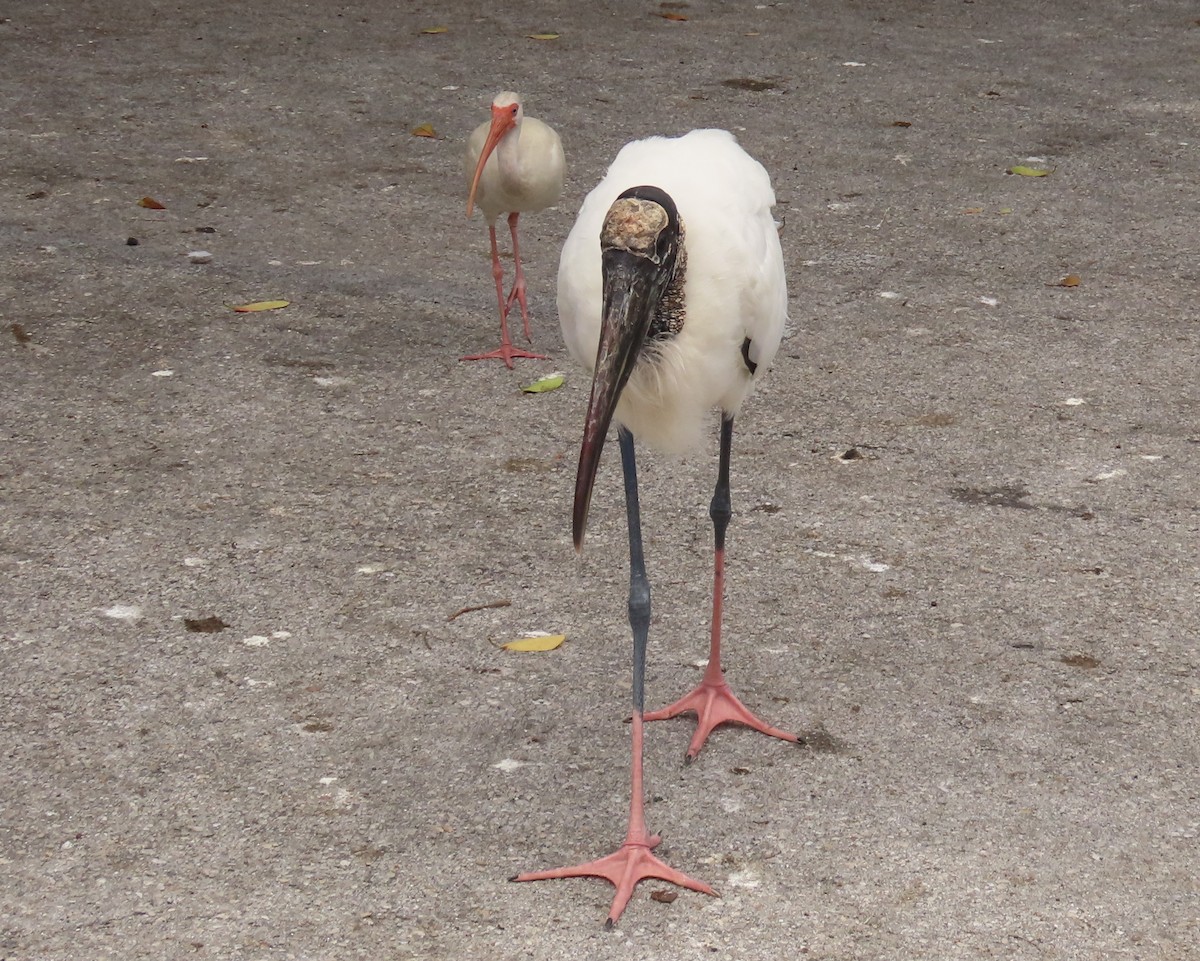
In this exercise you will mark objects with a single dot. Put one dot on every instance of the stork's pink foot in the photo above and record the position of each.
(624, 868)
(506, 353)
(715, 704)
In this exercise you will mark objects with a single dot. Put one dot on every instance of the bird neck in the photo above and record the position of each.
(668, 319)
(508, 150)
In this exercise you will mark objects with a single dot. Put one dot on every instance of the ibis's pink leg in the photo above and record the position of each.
(506, 351)
(632, 861)
(712, 701)
(518, 289)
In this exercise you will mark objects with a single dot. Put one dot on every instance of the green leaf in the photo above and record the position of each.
(1029, 171)
(544, 384)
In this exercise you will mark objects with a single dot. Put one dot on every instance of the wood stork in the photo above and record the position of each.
(515, 164)
(671, 288)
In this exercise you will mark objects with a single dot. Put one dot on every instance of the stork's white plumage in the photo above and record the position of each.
(671, 289)
(514, 165)
(734, 287)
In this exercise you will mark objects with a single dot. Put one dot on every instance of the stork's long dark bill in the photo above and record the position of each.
(633, 287)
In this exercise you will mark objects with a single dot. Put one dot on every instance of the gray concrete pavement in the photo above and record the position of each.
(990, 616)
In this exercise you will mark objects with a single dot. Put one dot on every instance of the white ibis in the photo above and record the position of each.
(514, 164)
(671, 288)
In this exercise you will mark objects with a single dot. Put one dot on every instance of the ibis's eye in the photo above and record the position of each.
(513, 110)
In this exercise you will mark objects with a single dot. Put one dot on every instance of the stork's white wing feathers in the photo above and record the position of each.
(735, 286)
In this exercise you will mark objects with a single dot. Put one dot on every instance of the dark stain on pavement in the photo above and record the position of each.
(1007, 495)
(820, 740)
(1014, 496)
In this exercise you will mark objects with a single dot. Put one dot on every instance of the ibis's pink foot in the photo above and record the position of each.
(517, 294)
(624, 868)
(507, 353)
(715, 704)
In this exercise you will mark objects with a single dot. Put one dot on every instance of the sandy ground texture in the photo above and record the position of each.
(239, 717)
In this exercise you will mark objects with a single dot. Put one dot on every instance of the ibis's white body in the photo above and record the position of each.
(523, 173)
(734, 286)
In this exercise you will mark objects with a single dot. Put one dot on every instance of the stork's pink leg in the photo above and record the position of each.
(506, 351)
(712, 701)
(518, 288)
(632, 861)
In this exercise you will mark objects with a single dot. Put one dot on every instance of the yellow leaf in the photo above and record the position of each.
(151, 204)
(1071, 280)
(537, 643)
(544, 384)
(435, 30)
(543, 36)
(1029, 171)
(425, 130)
(261, 305)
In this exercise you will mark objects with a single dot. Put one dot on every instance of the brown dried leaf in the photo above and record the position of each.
(672, 15)
(18, 331)
(204, 625)
(424, 130)
(901, 123)
(151, 204)
(479, 607)
(753, 84)
(664, 895)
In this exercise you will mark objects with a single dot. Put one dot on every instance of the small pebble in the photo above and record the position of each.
(132, 242)
(199, 256)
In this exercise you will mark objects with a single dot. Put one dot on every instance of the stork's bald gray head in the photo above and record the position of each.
(643, 222)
